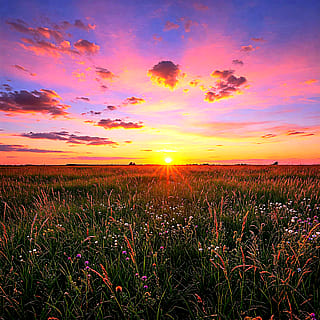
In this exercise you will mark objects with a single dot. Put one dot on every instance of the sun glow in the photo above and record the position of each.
(168, 160)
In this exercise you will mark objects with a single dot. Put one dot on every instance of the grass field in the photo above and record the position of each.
(160, 242)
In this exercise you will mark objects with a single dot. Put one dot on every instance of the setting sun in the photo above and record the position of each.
(168, 160)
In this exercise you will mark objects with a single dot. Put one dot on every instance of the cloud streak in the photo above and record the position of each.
(165, 74)
(118, 123)
(70, 138)
(22, 148)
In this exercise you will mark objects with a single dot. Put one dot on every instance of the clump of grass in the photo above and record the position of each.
(160, 242)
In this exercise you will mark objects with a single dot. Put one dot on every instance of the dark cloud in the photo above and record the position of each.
(21, 148)
(237, 62)
(247, 48)
(111, 108)
(70, 138)
(133, 100)
(258, 39)
(92, 113)
(165, 73)
(127, 141)
(105, 74)
(118, 123)
(7, 87)
(268, 136)
(86, 47)
(170, 26)
(83, 98)
(236, 82)
(222, 74)
(24, 69)
(44, 101)
(146, 150)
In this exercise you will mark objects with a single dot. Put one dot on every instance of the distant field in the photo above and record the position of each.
(160, 242)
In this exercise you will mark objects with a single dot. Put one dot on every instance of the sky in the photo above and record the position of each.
(113, 82)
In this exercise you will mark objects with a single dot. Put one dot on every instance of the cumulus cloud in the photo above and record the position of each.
(170, 26)
(118, 123)
(226, 86)
(133, 100)
(86, 47)
(237, 62)
(24, 69)
(165, 73)
(21, 148)
(248, 48)
(44, 101)
(105, 74)
(236, 82)
(222, 74)
(70, 138)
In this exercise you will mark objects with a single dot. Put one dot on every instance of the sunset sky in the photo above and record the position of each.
(109, 82)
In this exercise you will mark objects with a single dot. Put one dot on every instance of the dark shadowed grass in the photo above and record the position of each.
(193, 242)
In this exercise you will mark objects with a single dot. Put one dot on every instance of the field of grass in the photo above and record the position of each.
(153, 242)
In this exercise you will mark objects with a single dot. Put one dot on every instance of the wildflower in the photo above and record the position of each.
(69, 258)
(299, 269)
(137, 274)
(145, 287)
(78, 255)
(118, 289)
(127, 258)
(162, 247)
(124, 252)
(86, 262)
(144, 278)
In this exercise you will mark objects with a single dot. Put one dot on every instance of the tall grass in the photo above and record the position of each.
(148, 242)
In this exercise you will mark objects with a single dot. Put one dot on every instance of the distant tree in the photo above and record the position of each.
(275, 163)
(132, 163)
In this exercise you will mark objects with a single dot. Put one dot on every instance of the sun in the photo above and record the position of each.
(168, 160)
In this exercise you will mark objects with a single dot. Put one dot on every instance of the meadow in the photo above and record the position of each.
(160, 242)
